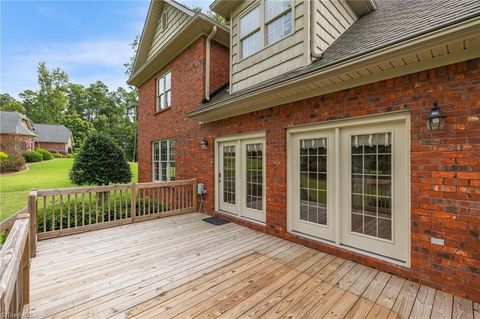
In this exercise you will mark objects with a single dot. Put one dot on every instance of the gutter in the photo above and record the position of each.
(207, 63)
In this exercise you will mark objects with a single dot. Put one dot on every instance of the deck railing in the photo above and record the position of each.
(15, 266)
(57, 212)
(74, 210)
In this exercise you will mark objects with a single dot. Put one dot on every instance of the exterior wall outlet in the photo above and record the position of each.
(437, 241)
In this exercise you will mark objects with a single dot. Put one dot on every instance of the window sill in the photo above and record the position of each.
(161, 111)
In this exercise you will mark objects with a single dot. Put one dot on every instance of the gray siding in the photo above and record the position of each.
(332, 18)
(176, 20)
(281, 57)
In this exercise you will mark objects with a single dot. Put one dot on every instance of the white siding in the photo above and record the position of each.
(176, 20)
(332, 18)
(283, 56)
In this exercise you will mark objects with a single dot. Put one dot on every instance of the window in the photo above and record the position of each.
(164, 160)
(250, 32)
(275, 24)
(164, 91)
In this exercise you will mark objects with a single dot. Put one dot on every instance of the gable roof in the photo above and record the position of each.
(52, 133)
(198, 24)
(11, 123)
(393, 22)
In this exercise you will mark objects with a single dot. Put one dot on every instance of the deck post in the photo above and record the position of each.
(32, 210)
(194, 194)
(133, 201)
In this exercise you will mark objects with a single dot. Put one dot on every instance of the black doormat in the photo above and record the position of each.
(215, 221)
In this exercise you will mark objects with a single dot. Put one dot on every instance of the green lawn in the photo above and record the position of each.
(14, 188)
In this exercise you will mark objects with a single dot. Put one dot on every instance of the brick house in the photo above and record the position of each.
(319, 122)
(16, 132)
(54, 138)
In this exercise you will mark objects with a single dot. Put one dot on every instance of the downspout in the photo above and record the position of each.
(312, 32)
(207, 63)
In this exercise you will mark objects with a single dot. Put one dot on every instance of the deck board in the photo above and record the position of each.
(182, 267)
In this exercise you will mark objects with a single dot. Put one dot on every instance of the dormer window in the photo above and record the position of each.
(164, 91)
(250, 37)
(278, 19)
(261, 28)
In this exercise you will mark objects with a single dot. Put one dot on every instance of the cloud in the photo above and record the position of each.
(85, 62)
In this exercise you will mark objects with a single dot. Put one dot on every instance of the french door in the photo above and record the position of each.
(349, 185)
(241, 177)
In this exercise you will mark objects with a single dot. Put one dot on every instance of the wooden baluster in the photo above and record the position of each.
(143, 200)
(126, 203)
(61, 212)
(83, 209)
(96, 207)
(76, 210)
(103, 207)
(121, 204)
(158, 200)
(68, 211)
(115, 205)
(108, 200)
(53, 212)
(89, 208)
(133, 199)
(44, 214)
(31, 244)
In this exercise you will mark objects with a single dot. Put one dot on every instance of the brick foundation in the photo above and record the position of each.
(445, 165)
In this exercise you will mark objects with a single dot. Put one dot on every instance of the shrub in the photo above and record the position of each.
(100, 162)
(33, 156)
(3, 156)
(68, 156)
(57, 155)
(45, 154)
(13, 163)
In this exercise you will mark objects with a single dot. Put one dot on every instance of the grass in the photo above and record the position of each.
(14, 188)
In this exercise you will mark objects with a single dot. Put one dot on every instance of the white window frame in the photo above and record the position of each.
(337, 125)
(263, 26)
(168, 162)
(163, 96)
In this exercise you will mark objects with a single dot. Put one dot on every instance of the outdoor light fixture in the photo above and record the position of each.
(436, 119)
(204, 144)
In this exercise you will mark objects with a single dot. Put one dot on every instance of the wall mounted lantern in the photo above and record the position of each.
(204, 144)
(436, 119)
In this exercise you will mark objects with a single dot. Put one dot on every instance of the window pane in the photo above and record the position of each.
(172, 171)
(161, 85)
(313, 180)
(255, 176)
(279, 28)
(163, 150)
(372, 185)
(168, 81)
(161, 99)
(229, 174)
(275, 7)
(250, 22)
(169, 98)
(251, 44)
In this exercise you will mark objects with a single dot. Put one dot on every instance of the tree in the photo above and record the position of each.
(8, 103)
(129, 65)
(80, 128)
(100, 162)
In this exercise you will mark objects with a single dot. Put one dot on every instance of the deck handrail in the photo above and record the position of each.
(15, 269)
(65, 211)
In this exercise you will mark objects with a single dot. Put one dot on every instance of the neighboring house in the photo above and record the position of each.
(16, 132)
(308, 120)
(54, 138)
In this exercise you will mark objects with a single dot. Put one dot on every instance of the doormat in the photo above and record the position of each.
(215, 221)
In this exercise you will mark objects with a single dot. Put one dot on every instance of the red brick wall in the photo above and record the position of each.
(12, 142)
(53, 147)
(445, 165)
(219, 64)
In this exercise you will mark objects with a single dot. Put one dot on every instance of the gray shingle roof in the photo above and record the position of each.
(11, 123)
(393, 22)
(50, 133)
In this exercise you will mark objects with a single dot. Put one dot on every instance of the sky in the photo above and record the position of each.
(88, 39)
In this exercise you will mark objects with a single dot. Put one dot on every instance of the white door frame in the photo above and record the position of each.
(240, 140)
(393, 117)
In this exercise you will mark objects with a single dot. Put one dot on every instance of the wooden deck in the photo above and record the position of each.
(182, 267)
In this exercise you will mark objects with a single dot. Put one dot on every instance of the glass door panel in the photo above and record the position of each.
(253, 183)
(227, 177)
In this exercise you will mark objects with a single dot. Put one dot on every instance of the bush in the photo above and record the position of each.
(57, 155)
(69, 150)
(3, 156)
(100, 162)
(68, 156)
(45, 154)
(33, 156)
(13, 163)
